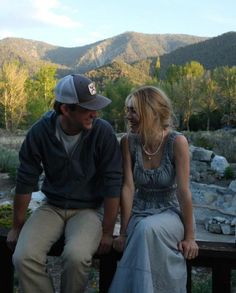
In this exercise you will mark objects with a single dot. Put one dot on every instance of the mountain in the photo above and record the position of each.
(218, 51)
(211, 53)
(128, 47)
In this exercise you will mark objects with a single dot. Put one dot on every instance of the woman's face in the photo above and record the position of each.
(132, 116)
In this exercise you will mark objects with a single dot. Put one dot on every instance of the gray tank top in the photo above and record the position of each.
(155, 189)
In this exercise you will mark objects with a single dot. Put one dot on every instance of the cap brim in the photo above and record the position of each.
(97, 103)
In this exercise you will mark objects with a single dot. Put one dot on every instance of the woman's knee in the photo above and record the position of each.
(150, 228)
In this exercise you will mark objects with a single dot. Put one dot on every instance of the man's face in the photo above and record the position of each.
(79, 119)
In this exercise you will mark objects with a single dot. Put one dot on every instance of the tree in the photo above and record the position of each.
(226, 79)
(207, 91)
(40, 90)
(157, 68)
(182, 89)
(117, 91)
(13, 77)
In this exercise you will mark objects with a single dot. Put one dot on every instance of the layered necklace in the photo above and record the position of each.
(150, 155)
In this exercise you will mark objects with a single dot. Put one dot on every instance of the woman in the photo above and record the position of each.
(156, 205)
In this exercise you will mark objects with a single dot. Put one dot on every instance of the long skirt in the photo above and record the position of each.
(151, 262)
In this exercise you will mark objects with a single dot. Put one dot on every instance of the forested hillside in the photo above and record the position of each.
(211, 53)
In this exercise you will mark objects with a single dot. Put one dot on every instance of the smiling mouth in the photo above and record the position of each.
(133, 124)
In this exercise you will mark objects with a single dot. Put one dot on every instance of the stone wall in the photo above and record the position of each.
(221, 142)
(214, 205)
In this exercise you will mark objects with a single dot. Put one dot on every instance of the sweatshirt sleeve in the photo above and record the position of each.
(30, 166)
(110, 165)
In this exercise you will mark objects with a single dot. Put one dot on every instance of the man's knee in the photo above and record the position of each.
(24, 255)
(20, 257)
(77, 258)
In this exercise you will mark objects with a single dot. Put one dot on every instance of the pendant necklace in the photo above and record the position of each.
(149, 155)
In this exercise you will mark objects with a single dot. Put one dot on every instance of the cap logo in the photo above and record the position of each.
(92, 88)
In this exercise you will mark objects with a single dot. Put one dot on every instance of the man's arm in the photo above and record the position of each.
(21, 203)
(111, 208)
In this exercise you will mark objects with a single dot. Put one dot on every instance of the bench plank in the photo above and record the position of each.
(219, 256)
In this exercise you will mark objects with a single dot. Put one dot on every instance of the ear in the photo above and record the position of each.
(64, 110)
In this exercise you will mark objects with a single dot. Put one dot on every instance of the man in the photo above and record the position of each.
(80, 157)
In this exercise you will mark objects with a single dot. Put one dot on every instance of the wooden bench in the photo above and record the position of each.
(219, 256)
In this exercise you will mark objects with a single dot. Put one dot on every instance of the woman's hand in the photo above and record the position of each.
(119, 243)
(189, 248)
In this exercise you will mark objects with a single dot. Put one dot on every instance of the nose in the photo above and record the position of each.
(128, 115)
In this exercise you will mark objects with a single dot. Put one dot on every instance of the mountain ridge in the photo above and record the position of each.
(129, 46)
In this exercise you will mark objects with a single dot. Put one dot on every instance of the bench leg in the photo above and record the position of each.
(6, 267)
(107, 268)
(221, 278)
(189, 277)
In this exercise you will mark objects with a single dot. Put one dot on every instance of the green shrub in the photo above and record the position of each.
(229, 173)
(9, 161)
(6, 215)
(204, 143)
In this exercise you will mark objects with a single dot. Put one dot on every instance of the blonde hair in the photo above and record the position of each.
(154, 110)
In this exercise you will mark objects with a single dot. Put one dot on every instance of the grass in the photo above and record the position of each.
(201, 280)
(6, 211)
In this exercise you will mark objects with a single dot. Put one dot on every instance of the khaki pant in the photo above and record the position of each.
(82, 229)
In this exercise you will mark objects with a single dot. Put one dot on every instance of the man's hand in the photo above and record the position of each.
(12, 238)
(119, 243)
(105, 244)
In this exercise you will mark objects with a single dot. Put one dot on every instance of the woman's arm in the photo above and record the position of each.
(182, 163)
(127, 193)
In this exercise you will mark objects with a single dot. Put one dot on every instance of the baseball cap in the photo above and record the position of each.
(80, 90)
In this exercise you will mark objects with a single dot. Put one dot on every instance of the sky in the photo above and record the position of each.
(74, 23)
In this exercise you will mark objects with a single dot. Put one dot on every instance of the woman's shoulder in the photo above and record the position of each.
(176, 140)
(176, 136)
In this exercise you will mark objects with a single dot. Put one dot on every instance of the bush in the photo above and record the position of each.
(204, 143)
(6, 215)
(9, 161)
(229, 173)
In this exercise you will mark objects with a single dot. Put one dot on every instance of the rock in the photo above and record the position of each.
(209, 197)
(232, 186)
(215, 228)
(202, 155)
(227, 229)
(233, 223)
(218, 164)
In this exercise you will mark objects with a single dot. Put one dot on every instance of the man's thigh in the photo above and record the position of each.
(41, 230)
(84, 231)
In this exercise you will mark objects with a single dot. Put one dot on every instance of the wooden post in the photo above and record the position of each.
(221, 275)
(107, 268)
(189, 277)
(6, 266)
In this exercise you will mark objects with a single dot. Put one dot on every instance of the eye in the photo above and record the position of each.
(130, 110)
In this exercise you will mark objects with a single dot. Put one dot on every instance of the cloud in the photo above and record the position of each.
(28, 14)
(5, 34)
(44, 13)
